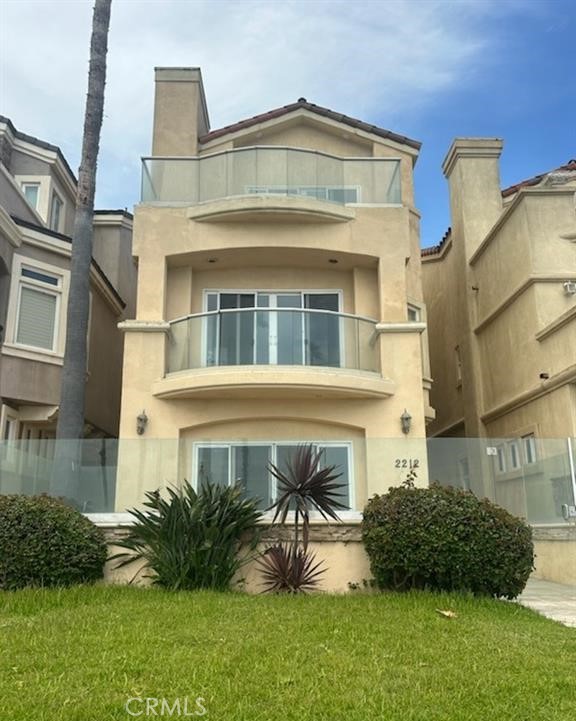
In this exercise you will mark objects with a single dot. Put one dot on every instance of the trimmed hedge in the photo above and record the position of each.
(43, 542)
(446, 539)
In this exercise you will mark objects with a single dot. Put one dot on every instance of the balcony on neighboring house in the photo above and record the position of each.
(275, 172)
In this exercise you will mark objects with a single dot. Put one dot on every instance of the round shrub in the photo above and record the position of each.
(446, 539)
(46, 543)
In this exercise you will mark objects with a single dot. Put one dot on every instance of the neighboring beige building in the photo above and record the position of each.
(279, 300)
(37, 197)
(501, 296)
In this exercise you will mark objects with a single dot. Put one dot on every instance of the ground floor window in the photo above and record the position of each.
(247, 464)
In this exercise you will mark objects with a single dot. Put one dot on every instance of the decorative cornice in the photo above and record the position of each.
(471, 148)
(531, 280)
(144, 326)
(10, 230)
(568, 375)
(411, 327)
(561, 321)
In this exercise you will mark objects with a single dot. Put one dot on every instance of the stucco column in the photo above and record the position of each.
(471, 167)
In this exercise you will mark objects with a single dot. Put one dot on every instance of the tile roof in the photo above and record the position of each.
(302, 103)
(570, 166)
(436, 248)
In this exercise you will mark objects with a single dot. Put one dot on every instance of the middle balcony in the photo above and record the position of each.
(279, 350)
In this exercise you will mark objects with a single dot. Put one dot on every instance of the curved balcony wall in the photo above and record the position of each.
(271, 171)
(286, 337)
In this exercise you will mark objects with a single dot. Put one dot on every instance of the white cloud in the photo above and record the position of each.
(379, 60)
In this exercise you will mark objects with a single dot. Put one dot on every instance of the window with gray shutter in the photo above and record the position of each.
(36, 318)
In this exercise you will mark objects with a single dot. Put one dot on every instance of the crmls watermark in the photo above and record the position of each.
(137, 706)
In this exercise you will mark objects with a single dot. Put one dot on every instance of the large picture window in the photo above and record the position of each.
(247, 464)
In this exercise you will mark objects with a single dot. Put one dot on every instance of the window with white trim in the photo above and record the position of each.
(514, 454)
(56, 214)
(529, 448)
(247, 464)
(501, 459)
(39, 300)
(36, 319)
(31, 192)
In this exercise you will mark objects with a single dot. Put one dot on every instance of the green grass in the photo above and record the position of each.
(79, 654)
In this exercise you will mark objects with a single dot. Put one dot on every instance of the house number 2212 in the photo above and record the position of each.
(407, 463)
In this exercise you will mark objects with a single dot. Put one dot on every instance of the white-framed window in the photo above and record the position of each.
(414, 314)
(247, 462)
(56, 212)
(31, 193)
(37, 307)
(501, 459)
(529, 448)
(9, 423)
(514, 454)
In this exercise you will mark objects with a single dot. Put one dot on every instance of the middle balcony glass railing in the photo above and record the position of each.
(280, 336)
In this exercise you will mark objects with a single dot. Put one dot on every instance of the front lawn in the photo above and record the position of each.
(80, 654)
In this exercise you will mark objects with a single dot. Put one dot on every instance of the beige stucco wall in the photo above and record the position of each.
(496, 291)
(338, 545)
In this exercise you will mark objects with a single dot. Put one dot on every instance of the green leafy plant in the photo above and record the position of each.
(303, 487)
(192, 540)
(446, 539)
(44, 542)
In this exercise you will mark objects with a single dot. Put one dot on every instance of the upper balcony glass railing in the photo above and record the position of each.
(271, 171)
(273, 337)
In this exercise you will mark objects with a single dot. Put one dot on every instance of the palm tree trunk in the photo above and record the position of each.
(71, 411)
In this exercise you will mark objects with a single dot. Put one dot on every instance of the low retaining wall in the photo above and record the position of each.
(555, 548)
(340, 547)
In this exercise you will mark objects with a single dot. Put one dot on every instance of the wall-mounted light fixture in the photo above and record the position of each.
(570, 287)
(141, 423)
(406, 422)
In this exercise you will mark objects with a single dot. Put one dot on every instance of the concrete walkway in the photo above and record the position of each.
(553, 600)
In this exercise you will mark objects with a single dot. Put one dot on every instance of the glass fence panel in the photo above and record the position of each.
(271, 171)
(108, 475)
(273, 337)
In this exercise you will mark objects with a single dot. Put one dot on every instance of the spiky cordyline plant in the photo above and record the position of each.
(303, 487)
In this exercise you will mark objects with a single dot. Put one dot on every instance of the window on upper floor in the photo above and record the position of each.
(31, 192)
(56, 214)
(413, 313)
(37, 307)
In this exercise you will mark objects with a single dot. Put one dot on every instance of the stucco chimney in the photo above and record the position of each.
(180, 113)
(471, 167)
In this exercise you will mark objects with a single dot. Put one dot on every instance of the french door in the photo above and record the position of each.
(273, 328)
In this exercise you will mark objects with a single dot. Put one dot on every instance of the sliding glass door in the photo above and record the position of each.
(273, 328)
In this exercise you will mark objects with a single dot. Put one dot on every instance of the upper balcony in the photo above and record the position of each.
(271, 178)
(278, 352)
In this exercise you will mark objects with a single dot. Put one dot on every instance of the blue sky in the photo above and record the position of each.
(429, 69)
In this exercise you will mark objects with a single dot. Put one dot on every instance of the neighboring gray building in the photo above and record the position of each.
(37, 198)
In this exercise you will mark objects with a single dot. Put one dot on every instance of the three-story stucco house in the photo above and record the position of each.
(37, 203)
(279, 301)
